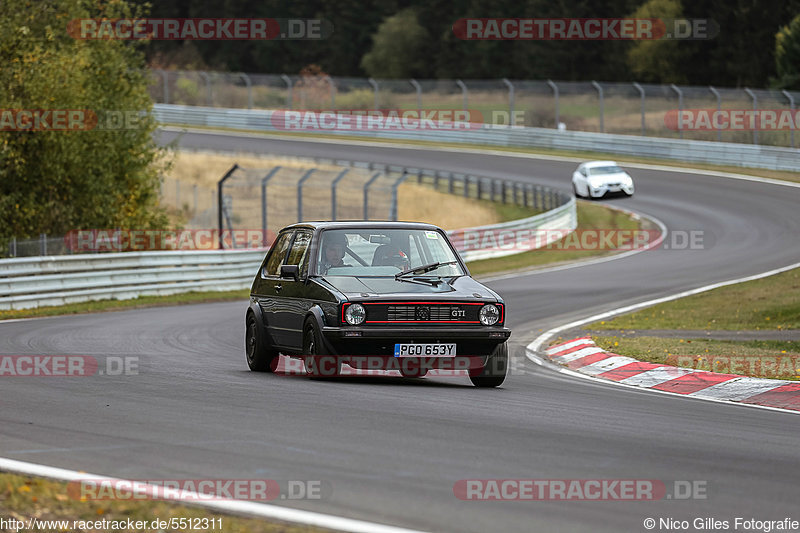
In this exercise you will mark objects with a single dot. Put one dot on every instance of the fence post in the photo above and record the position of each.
(479, 183)
(680, 108)
(194, 194)
(264, 181)
(719, 107)
(334, 183)
(300, 193)
(791, 106)
(333, 91)
(493, 185)
(464, 94)
(600, 102)
(288, 81)
(220, 184)
(249, 84)
(12, 247)
(503, 185)
(418, 88)
(641, 94)
(165, 84)
(515, 193)
(395, 185)
(555, 95)
(209, 97)
(450, 183)
(511, 119)
(466, 186)
(375, 89)
(366, 194)
(42, 244)
(755, 108)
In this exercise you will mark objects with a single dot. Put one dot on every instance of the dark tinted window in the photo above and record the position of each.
(276, 254)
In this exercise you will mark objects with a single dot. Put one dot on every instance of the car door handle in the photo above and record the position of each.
(278, 287)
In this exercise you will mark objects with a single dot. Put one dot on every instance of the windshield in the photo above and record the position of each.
(598, 171)
(384, 252)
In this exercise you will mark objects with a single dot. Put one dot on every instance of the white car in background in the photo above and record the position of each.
(595, 179)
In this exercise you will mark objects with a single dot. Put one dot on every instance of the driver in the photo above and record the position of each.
(333, 250)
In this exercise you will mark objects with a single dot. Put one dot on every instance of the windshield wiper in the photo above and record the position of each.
(422, 269)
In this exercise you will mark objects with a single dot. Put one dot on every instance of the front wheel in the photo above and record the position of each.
(261, 357)
(493, 373)
(317, 363)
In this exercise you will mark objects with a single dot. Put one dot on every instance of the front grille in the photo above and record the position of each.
(423, 313)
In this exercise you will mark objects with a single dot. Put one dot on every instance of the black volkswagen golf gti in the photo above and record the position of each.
(375, 296)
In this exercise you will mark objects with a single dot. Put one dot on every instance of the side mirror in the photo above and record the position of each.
(290, 271)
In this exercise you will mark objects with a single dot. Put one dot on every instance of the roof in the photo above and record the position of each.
(363, 224)
(590, 164)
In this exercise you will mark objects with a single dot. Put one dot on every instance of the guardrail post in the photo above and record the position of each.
(479, 183)
(600, 102)
(555, 96)
(755, 108)
(194, 195)
(511, 119)
(791, 106)
(528, 191)
(220, 185)
(418, 88)
(436, 180)
(42, 244)
(395, 185)
(515, 193)
(680, 108)
(334, 183)
(288, 81)
(300, 193)
(719, 108)
(450, 183)
(12, 247)
(466, 186)
(165, 84)
(464, 93)
(249, 85)
(503, 185)
(209, 97)
(264, 181)
(375, 89)
(366, 194)
(538, 201)
(642, 96)
(493, 186)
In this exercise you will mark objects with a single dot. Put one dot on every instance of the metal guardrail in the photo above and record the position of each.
(57, 280)
(710, 152)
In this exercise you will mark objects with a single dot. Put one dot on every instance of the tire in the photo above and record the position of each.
(318, 363)
(261, 357)
(493, 374)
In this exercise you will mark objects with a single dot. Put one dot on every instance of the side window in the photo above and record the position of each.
(299, 251)
(276, 255)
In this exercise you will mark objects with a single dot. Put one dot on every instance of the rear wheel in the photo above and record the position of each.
(261, 357)
(493, 373)
(315, 360)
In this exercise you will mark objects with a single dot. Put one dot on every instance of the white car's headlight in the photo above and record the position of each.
(355, 314)
(489, 315)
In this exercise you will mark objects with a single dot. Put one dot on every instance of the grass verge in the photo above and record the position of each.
(590, 217)
(24, 497)
(767, 303)
(762, 359)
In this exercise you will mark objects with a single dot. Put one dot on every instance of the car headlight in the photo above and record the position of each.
(355, 314)
(489, 315)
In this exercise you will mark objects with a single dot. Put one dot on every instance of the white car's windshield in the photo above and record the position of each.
(599, 171)
(384, 252)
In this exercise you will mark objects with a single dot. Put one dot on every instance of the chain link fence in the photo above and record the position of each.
(624, 108)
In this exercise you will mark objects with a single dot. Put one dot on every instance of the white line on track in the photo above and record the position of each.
(263, 510)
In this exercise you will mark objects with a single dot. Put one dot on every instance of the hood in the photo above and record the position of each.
(462, 287)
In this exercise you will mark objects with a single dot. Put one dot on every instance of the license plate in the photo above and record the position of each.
(425, 350)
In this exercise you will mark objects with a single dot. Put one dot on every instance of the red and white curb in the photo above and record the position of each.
(584, 356)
